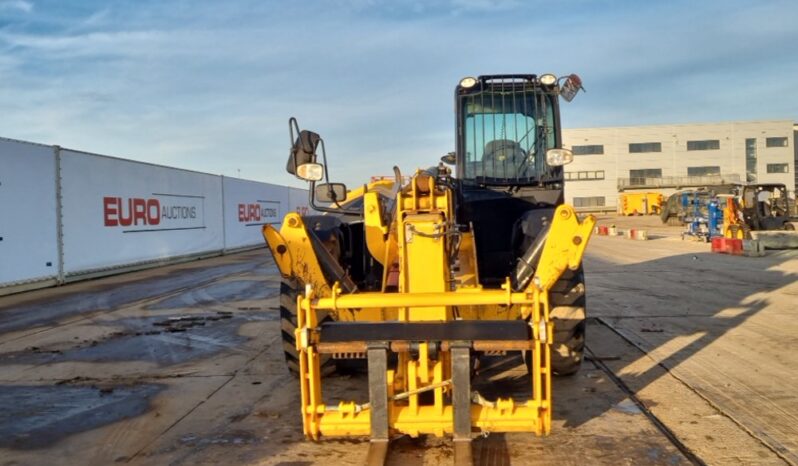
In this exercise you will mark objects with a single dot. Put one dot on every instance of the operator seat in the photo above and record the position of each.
(501, 157)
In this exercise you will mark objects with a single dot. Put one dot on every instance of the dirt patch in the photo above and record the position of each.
(165, 340)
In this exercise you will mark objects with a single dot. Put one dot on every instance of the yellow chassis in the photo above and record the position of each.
(416, 248)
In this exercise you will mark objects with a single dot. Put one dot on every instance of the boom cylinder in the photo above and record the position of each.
(525, 269)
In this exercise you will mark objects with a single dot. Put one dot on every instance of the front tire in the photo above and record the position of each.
(289, 290)
(568, 313)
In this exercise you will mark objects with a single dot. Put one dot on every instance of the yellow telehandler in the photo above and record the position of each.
(415, 279)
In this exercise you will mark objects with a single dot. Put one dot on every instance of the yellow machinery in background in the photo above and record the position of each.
(732, 224)
(403, 286)
(640, 203)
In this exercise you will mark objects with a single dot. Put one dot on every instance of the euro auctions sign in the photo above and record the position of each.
(155, 212)
(259, 213)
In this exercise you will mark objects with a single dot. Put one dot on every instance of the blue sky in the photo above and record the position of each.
(210, 85)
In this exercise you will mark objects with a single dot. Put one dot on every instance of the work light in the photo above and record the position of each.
(548, 79)
(468, 82)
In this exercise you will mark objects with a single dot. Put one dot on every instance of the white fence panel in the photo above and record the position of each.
(28, 234)
(248, 205)
(119, 212)
(298, 201)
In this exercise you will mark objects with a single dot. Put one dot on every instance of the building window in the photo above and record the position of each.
(778, 168)
(750, 160)
(639, 147)
(587, 150)
(775, 142)
(584, 175)
(639, 176)
(595, 201)
(709, 144)
(703, 171)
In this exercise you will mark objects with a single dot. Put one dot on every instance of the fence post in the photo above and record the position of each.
(224, 221)
(59, 221)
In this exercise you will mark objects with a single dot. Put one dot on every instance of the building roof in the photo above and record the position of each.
(688, 125)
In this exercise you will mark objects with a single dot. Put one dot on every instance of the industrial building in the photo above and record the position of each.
(665, 158)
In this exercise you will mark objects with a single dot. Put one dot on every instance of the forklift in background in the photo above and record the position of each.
(758, 207)
(764, 207)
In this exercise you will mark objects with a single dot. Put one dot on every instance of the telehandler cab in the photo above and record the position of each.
(419, 278)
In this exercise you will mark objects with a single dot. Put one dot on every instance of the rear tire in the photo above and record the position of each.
(289, 290)
(568, 303)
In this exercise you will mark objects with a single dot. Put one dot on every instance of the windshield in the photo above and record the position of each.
(506, 135)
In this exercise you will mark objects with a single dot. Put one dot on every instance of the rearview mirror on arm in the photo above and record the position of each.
(330, 192)
(572, 85)
(449, 159)
(303, 151)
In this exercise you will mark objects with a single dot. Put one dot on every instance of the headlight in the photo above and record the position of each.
(548, 79)
(559, 157)
(468, 82)
(310, 171)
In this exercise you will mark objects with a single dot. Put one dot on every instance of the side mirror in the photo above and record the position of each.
(572, 85)
(330, 192)
(303, 151)
(310, 171)
(449, 158)
(559, 157)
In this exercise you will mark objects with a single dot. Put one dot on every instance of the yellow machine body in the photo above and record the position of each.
(732, 223)
(422, 286)
(640, 203)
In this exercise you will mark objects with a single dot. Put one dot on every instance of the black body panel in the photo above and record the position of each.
(346, 242)
(504, 225)
(467, 330)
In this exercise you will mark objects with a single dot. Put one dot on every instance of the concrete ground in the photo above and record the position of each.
(691, 360)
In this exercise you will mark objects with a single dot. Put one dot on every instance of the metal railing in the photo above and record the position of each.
(678, 181)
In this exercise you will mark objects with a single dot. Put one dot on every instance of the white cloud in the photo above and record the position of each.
(211, 87)
(485, 5)
(83, 44)
(18, 5)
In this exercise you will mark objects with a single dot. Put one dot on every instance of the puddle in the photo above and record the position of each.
(627, 406)
(107, 297)
(225, 292)
(38, 416)
(236, 437)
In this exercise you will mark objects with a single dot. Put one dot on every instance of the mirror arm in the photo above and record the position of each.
(293, 124)
(327, 172)
(312, 190)
(324, 158)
